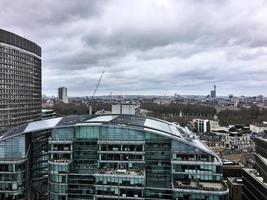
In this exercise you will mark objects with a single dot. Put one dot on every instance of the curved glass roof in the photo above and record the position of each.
(132, 121)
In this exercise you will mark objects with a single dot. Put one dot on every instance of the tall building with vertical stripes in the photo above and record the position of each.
(20, 80)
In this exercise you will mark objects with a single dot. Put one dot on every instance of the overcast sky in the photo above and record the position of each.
(146, 46)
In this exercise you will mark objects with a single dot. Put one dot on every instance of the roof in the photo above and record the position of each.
(235, 180)
(255, 175)
(140, 123)
(47, 110)
(18, 41)
(30, 127)
(43, 124)
(264, 160)
(262, 139)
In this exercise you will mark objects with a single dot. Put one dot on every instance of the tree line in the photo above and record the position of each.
(171, 112)
(244, 116)
(63, 109)
(188, 110)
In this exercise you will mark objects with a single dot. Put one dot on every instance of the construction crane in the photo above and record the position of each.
(110, 95)
(90, 101)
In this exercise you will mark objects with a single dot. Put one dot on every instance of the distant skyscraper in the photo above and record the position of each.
(63, 95)
(20, 80)
(213, 92)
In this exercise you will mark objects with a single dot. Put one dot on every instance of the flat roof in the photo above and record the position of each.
(235, 180)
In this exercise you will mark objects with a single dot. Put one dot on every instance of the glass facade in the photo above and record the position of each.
(38, 160)
(13, 166)
(126, 163)
(109, 161)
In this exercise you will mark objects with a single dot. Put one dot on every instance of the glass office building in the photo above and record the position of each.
(20, 80)
(107, 157)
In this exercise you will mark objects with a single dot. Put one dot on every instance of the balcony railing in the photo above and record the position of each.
(196, 185)
(121, 172)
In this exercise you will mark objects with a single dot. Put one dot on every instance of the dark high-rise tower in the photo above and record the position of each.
(20, 80)
(63, 95)
(213, 92)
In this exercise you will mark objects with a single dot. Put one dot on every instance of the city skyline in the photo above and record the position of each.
(146, 47)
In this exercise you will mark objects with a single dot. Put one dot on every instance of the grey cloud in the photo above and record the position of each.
(146, 46)
(33, 13)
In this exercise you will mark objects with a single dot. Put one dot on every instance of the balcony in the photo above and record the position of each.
(67, 161)
(121, 172)
(190, 186)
